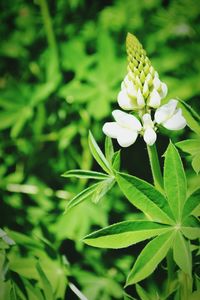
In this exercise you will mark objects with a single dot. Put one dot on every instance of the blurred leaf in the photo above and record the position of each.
(48, 292)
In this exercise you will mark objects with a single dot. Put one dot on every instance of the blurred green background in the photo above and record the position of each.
(62, 63)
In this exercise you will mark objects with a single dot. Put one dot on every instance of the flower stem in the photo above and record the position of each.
(155, 167)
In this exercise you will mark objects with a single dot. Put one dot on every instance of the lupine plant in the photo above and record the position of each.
(168, 221)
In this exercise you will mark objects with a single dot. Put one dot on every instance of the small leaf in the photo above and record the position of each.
(191, 116)
(150, 257)
(145, 197)
(98, 155)
(196, 163)
(142, 293)
(124, 234)
(47, 288)
(102, 189)
(192, 203)
(181, 253)
(192, 147)
(174, 181)
(109, 151)
(83, 195)
(85, 174)
(116, 161)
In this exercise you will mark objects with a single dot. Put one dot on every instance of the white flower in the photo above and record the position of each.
(158, 93)
(149, 132)
(125, 128)
(129, 98)
(170, 116)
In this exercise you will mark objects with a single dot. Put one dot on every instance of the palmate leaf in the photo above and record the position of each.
(150, 257)
(85, 174)
(145, 197)
(174, 181)
(182, 254)
(124, 234)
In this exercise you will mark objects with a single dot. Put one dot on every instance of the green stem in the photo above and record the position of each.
(155, 167)
(49, 29)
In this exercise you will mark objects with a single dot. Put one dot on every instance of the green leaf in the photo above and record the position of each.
(196, 163)
(85, 174)
(193, 148)
(191, 116)
(83, 195)
(47, 288)
(102, 189)
(142, 293)
(109, 151)
(145, 197)
(116, 161)
(98, 155)
(181, 253)
(174, 181)
(150, 257)
(124, 234)
(192, 203)
(190, 228)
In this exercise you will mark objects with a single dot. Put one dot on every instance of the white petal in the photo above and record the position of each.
(176, 122)
(156, 82)
(125, 101)
(164, 90)
(166, 111)
(145, 89)
(147, 122)
(140, 99)
(111, 129)
(154, 99)
(126, 137)
(126, 120)
(149, 136)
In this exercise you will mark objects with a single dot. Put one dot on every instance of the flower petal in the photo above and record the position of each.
(140, 99)
(164, 90)
(147, 122)
(111, 129)
(156, 82)
(125, 101)
(166, 111)
(149, 136)
(176, 122)
(126, 137)
(126, 120)
(154, 99)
